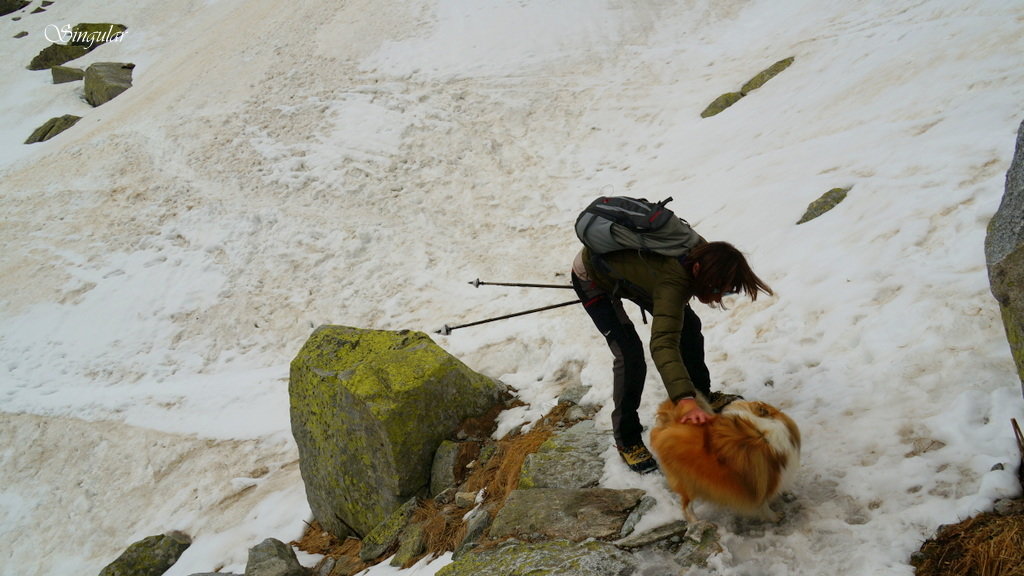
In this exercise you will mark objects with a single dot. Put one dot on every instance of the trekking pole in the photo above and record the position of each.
(448, 329)
(478, 283)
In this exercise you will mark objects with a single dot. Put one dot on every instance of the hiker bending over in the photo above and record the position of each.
(662, 286)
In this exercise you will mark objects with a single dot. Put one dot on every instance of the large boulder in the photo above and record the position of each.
(1004, 254)
(104, 81)
(369, 409)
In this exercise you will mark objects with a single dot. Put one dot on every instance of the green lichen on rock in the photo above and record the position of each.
(766, 75)
(55, 55)
(721, 103)
(52, 127)
(384, 536)
(826, 202)
(369, 408)
(729, 98)
(151, 556)
(552, 558)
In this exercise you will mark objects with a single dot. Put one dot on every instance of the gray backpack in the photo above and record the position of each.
(613, 223)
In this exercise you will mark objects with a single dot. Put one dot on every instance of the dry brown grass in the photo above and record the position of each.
(500, 475)
(986, 545)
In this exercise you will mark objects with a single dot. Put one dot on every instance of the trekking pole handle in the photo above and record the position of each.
(478, 283)
(448, 329)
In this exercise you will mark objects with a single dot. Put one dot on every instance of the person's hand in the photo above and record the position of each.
(692, 413)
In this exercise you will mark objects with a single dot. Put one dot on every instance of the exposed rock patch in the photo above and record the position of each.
(729, 98)
(52, 127)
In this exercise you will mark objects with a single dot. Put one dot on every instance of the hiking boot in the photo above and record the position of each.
(719, 400)
(638, 458)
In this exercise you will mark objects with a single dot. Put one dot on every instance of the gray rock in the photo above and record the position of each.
(689, 546)
(411, 545)
(569, 459)
(477, 523)
(52, 127)
(369, 410)
(558, 513)
(151, 556)
(442, 471)
(384, 537)
(646, 505)
(273, 558)
(450, 464)
(65, 74)
(553, 558)
(104, 81)
(1004, 255)
(653, 536)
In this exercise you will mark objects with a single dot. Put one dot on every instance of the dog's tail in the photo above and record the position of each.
(741, 446)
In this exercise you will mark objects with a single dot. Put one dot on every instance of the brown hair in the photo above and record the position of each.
(722, 270)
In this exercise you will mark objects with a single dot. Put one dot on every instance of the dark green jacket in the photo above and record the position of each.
(662, 286)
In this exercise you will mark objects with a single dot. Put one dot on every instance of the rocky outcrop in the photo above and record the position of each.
(369, 410)
(52, 127)
(826, 202)
(104, 81)
(729, 98)
(1004, 255)
(151, 556)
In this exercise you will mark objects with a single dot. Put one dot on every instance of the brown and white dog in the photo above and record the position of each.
(740, 459)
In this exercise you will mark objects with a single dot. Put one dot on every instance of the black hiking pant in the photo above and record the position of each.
(629, 369)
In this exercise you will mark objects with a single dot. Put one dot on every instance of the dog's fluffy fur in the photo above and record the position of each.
(740, 459)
